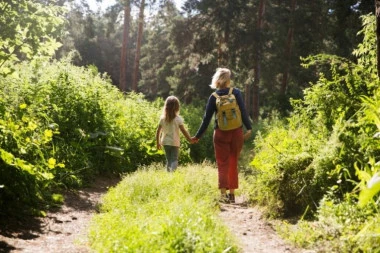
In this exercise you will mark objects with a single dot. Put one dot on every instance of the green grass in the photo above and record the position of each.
(155, 211)
(339, 227)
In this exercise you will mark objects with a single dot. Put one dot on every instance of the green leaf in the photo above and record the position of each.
(373, 188)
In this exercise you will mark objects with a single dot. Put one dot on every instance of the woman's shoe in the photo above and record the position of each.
(231, 197)
(225, 199)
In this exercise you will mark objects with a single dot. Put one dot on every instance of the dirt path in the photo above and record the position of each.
(255, 234)
(64, 231)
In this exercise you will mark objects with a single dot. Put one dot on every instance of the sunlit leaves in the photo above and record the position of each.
(368, 193)
(61, 124)
(48, 134)
(51, 163)
(28, 31)
(345, 102)
(366, 51)
(10, 159)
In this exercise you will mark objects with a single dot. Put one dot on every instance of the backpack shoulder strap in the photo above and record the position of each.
(215, 95)
(230, 91)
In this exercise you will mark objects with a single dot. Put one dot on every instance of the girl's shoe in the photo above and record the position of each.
(231, 197)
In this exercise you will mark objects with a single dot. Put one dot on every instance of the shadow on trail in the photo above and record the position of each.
(5, 247)
(83, 199)
(19, 226)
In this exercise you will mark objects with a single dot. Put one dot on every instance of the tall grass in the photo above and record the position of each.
(155, 211)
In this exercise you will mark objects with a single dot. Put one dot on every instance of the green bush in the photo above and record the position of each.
(282, 178)
(61, 125)
(346, 166)
(341, 227)
(320, 145)
(155, 211)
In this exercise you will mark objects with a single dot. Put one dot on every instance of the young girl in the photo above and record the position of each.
(167, 133)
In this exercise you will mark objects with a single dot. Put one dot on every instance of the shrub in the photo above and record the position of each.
(341, 227)
(348, 214)
(61, 125)
(282, 177)
(327, 130)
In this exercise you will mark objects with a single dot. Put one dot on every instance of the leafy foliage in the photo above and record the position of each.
(342, 108)
(342, 226)
(282, 173)
(28, 31)
(61, 125)
(318, 147)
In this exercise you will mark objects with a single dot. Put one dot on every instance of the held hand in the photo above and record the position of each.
(247, 135)
(194, 140)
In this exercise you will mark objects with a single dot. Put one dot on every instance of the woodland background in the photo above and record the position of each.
(167, 50)
(82, 91)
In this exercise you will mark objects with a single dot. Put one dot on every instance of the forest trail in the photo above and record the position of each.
(64, 231)
(254, 233)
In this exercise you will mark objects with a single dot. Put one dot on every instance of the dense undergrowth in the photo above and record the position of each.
(322, 163)
(155, 211)
(61, 125)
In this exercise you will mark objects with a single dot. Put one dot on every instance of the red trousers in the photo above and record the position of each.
(227, 146)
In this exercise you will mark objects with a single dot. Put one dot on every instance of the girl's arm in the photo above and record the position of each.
(185, 133)
(158, 133)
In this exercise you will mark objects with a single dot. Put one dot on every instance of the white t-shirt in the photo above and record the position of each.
(170, 131)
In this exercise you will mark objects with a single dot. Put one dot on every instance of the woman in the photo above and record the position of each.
(227, 144)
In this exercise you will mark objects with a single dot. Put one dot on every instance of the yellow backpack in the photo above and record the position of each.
(228, 113)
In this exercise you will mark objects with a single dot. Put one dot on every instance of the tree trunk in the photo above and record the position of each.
(220, 51)
(138, 47)
(257, 67)
(124, 54)
(377, 6)
(247, 97)
(288, 50)
(224, 39)
(223, 46)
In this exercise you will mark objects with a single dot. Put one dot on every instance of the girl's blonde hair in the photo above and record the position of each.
(171, 108)
(221, 78)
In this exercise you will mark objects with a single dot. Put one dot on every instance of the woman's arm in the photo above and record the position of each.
(210, 110)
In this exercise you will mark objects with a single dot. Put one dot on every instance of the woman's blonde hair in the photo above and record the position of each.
(171, 108)
(221, 78)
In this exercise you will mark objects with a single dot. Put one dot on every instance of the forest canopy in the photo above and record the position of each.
(163, 50)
